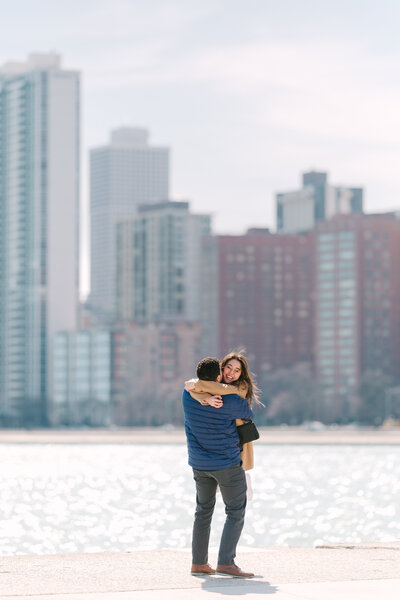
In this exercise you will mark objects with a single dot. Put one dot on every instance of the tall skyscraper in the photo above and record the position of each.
(126, 173)
(159, 259)
(39, 227)
(316, 201)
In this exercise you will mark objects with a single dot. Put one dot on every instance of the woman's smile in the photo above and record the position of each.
(232, 371)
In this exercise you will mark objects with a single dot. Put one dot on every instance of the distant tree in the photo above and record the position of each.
(393, 403)
(163, 406)
(374, 389)
(291, 395)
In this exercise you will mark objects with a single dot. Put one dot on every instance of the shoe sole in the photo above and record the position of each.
(232, 575)
(201, 574)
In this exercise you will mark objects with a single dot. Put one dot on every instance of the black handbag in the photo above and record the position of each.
(248, 432)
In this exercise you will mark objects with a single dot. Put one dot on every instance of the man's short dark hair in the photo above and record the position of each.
(208, 369)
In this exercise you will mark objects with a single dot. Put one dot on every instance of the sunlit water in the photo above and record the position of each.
(89, 498)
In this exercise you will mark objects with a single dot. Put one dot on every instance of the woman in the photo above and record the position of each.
(236, 379)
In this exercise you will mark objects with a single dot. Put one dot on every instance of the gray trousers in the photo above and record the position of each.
(232, 483)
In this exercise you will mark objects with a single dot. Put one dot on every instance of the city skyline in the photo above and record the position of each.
(306, 299)
(247, 97)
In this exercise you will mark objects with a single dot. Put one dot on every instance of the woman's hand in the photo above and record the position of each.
(215, 401)
(190, 384)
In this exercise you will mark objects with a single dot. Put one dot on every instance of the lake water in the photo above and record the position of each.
(61, 498)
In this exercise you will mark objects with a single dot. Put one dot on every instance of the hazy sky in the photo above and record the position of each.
(247, 93)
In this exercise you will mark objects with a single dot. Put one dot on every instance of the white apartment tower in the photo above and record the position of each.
(316, 201)
(124, 174)
(39, 225)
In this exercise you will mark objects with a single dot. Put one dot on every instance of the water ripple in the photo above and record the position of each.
(91, 498)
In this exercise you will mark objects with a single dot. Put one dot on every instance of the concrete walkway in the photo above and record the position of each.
(361, 572)
(388, 589)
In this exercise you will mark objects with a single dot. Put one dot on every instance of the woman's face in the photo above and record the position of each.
(231, 371)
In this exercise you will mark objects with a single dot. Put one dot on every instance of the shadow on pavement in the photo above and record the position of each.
(235, 587)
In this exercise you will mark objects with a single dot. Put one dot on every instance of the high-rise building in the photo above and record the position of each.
(124, 174)
(39, 226)
(317, 201)
(257, 294)
(357, 313)
(159, 259)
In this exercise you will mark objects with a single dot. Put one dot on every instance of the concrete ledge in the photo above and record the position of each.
(389, 589)
(167, 570)
(163, 435)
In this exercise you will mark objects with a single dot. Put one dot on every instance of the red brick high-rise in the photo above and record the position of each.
(329, 298)
(258, 295)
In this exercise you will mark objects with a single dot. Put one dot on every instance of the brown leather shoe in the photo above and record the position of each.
(232, 570)
(202, 570)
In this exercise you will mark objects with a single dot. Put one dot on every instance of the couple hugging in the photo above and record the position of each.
(214, 404)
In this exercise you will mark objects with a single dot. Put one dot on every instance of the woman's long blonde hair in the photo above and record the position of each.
(253, 391)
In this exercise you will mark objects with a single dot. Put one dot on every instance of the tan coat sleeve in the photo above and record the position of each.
(205, 389)
(222, 389)
(201, 397)
(247, 456)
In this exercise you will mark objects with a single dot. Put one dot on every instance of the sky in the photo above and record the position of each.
(247, 94)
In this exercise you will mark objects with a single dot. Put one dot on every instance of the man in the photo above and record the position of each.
(214, 455)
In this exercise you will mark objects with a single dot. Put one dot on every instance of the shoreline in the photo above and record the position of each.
(176, 435)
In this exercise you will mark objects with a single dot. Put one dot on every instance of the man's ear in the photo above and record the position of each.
(218, 378)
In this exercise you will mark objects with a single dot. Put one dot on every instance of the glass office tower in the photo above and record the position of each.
(39, 225)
